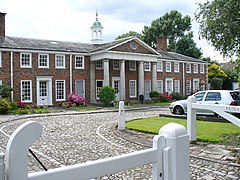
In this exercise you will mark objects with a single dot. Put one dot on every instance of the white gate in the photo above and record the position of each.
(169, 156)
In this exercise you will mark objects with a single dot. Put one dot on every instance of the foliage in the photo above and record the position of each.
(231, 77)
(107, 95)
(5, 91)
(153, 94)
(131, 33)
(172, 25)
(5, 105)
(177, 96)
(216, 83)
(22, 105)
(206, 131)
(165, 97)
(77, 99)
(215, 71)
(187, 46)
(219, 24)
(68, 104)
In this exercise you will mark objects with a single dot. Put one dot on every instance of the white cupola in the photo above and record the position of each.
(97, 31)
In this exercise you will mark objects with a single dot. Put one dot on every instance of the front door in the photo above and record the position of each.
(43, 92)
(116, 87)
(147, 89)
(79, 87)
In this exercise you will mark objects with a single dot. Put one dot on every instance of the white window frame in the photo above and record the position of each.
(196, 87)
(99, 64)
(39, 63)
(190, 88)
(202, 68)
(168, 68)
(195, 68)
(30, 60)
(166, 80)
(116, 64)
(56, 61)
(147, 66)
(135, 89)
(30, 100)
(98, 88)
(0, 58)
(160, 86)
(64, 90)
(177, 86)
(130, 66)
(159, 66)
(176, 67)
(188, 69)
(82, 59)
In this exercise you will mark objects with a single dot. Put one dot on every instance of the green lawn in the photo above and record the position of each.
(146, 104)
(83, 108)
(215, 132)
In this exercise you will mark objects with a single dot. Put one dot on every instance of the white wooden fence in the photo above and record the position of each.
(222, 110)
(169, 156)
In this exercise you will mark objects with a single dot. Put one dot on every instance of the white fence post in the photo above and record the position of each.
(121, 114)
(176, 152)
(191, 119)
(2, 166)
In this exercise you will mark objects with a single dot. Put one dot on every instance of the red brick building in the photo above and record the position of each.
(44, 72)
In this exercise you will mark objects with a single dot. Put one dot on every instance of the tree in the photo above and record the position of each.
(187, 46)
(220, 24)
(107, 95)
(131, 33)
(216, 83)
(172, 25)
(214, 71)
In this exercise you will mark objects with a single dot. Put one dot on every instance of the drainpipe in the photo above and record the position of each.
(70, 73)
(11, 75)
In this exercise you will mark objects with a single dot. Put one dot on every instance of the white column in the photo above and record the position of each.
(106, 72)
(11, 76)
(92, 83)
(70, 74)
(122, 80)
(140, 78)
(183, 80)
(154, 76)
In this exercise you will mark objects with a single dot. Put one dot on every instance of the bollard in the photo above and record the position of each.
(176, 153)
(121, 114)
(2, 166)
(191, 119)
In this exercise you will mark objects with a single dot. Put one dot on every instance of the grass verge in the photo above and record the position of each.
(83, 108)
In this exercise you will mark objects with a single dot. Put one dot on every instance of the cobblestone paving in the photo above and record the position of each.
(77, 138)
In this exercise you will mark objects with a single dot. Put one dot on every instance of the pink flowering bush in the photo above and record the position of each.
(165, 97)
(22, 105)
(76, 99)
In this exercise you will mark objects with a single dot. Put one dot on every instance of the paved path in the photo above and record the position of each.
(75, 138)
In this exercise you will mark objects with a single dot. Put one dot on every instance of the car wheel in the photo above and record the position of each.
(178, 110)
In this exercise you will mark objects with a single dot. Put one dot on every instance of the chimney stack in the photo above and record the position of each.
(2, 24)
(162, 43)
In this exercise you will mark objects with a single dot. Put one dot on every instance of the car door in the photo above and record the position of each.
(199, 98)
(212, 98)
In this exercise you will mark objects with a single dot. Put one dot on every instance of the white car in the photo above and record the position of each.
(227, 97)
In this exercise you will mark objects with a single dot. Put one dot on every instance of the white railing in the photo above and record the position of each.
(169, 156)
(222, 110)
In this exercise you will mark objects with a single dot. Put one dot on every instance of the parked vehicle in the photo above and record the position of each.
(226, 97)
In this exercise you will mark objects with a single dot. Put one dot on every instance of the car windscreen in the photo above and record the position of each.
(235, 96)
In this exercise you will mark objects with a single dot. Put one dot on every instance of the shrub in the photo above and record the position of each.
(5, 105)
(22, 105)
(153, 94)
(77, 99)
(176, 96)
(107, 95)
(165, 97)
(216, 83)
(5, 91)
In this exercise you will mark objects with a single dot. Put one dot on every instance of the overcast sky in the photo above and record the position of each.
(71, 20)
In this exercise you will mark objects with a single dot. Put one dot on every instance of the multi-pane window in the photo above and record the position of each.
(168, 67)
(195, 85)
(147, 66)
(99, 64)
(188, 68)
(201, 68)
(99, 85)
(60, 90)
(116, 64)
(132, 89)
(25, 60)
(159, 66)
(177, 86)
(26, 91)
(160, 86)
(188, 87)
(132, 65)
(176, 67)
(195, 68)
(60, 61)
(0, 59)
(43, 61)
(79, 62)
